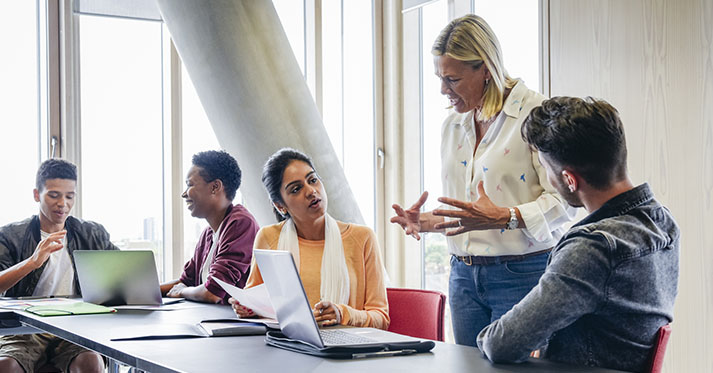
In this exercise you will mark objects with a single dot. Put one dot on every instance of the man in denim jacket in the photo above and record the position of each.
(611, 281)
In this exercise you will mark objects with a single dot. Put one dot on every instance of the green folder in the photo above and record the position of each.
(76, 308)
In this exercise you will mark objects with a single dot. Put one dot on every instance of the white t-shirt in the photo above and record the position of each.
(205, 270)
(58, 275)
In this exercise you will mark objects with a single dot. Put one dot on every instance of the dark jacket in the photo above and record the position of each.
(233, 255)
(609, 286)
(19, 240)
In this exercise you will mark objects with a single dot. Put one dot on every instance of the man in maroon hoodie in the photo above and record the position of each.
(224, 250)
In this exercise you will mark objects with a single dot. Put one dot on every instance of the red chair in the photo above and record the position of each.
(659, 349)
(416, 313)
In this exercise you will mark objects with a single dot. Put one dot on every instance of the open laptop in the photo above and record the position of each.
(115, 277)
(295, 314)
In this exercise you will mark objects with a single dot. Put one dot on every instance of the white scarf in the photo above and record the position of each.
(334, 281)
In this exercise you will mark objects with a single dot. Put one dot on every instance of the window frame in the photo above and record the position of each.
(391, 164)
(66, 119)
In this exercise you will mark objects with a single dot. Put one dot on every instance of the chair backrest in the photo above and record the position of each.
(417, 313)
(659, 349)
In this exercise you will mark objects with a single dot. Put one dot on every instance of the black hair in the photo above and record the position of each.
(218, 164)
(584, 135)
(55, 168)
(273, 171)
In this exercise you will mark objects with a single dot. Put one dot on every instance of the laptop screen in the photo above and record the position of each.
(288, 296)
(113, 277)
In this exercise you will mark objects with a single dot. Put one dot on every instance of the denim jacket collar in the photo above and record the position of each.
(620, 204)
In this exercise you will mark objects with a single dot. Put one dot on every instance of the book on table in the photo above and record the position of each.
(205, 328)
(54, 306)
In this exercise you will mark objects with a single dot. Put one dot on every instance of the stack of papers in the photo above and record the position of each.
(256, 298)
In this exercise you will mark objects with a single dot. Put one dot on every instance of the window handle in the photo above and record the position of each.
(380, 154)
(53, 147)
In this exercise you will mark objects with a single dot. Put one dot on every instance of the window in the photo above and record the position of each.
(20, 131)
(122, 184)
(357, 61)
(347, 70)
(292, 17)
(436, 267)
(197, 136)
(520, 50)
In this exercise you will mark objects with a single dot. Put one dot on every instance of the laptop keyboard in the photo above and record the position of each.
(339, 337)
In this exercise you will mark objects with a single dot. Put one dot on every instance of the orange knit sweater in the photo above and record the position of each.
(367, 296)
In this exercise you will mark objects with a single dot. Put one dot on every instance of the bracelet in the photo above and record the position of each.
(512, 223)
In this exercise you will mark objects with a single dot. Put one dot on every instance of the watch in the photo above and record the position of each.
(512, 223)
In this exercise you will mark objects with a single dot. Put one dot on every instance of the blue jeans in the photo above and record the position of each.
(479, 295)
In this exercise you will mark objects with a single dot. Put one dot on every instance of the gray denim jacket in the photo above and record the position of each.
(19, 240)
(610, 284)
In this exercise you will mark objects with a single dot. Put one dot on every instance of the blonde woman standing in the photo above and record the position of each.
(499, 213)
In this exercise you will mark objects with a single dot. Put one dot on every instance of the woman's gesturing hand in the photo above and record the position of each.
(471, 216)
(409, 219)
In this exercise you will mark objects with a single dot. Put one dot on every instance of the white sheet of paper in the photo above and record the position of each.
(256, 298)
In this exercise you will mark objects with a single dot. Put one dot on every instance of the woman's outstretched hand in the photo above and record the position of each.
(409, 219)
(481, 214)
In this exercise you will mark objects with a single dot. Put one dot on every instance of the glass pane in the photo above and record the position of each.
(348, 99)
(198, 136)
(292, 17)
(358, 128)
(332, 74)
(122, 130)
(19, 135)
(520, 49)
(436, 265)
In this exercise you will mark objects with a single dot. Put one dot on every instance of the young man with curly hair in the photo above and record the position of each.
(224, 250)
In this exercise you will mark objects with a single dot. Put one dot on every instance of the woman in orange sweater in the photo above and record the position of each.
(339, 263)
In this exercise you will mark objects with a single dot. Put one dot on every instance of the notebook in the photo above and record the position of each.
(114, 277)
(206, 328)
(298, 324)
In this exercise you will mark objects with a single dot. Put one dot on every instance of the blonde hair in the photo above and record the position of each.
(471, 40)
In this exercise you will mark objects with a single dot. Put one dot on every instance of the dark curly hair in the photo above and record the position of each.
(273, 171)
(218, 164)
(55, 168)
(584, 135)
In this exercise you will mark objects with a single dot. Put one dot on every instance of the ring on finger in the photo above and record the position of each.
(460, 223)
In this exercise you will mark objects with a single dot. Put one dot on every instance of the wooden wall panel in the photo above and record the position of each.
(653, 60)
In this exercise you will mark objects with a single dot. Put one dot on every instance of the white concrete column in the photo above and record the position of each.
(253, 93)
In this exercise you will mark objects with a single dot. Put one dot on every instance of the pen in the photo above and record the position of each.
(41, 297)
(383, 353)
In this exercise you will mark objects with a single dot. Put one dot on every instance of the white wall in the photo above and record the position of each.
(653, 60)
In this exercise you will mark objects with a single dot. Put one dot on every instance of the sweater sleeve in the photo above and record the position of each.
(233, 255)
(376, 308)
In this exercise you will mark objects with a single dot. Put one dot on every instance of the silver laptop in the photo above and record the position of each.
(114, 277)
(294, 312)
